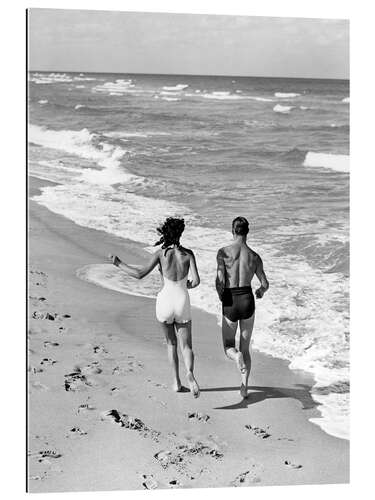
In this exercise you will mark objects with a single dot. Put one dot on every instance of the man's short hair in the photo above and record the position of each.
(240, 226)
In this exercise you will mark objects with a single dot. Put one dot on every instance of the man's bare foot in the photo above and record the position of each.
(194, 387)
(240, 362)
(243, 391)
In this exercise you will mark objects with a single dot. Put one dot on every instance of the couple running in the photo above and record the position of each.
(236, 266)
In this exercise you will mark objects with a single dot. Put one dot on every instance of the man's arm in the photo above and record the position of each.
(138, 272)
(261, 275)
(220, 273)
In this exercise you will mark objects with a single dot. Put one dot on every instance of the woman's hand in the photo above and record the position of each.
(114, 259)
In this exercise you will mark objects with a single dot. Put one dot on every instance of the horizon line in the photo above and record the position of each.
(186, 74)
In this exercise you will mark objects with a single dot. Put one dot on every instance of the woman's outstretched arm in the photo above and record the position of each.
(138, 272)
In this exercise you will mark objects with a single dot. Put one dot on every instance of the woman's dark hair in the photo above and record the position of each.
(240, 226)
(170, 232)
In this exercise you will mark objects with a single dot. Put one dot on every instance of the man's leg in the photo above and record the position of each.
(170, 337)
(246, 329)
(184, 336)
(229, 329)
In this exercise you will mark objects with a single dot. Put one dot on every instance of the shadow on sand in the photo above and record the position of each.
(301, 393)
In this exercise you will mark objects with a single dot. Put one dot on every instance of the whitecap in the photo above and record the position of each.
(286, 95)
(282, 109)
(180, 86)
(337, 162)
(170, 99)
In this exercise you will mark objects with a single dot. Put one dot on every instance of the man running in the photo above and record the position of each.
(236, 266)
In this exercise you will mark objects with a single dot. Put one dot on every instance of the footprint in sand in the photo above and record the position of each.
(157, 384)
(100, 349)
(76, 432)
(258, 431)
(39, 477)
(35, 369)
(40, 299)
(115, 391)
(184, 452)
(91, 369)
(45, 454)
(149, 482)
(48, 362)
(197, 416)
(76, 381)
(132, 423)
(245, 479)
(289, 464)
(85, 408)
(175, 483)
(47, 343)
(47, 315)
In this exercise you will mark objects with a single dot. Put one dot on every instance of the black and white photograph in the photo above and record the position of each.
(188, 250)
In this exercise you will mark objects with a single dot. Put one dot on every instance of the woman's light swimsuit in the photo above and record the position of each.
(173, 302)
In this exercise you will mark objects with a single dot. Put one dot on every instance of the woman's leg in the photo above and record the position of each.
(184, 336)
(170, 337)
(246, 329)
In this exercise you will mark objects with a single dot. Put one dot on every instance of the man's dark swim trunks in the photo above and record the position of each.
(238, 303)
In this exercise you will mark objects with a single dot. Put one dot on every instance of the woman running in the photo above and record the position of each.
(172, 302)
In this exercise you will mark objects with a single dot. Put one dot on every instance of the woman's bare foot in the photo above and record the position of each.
(194, 387)
(243, 391)
(177, 387)
(240, 362)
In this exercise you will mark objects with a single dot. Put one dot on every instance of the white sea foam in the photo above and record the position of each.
(346, 100)
(85, 144)
(124, 134)
(117, 87)
(340, 163)
(170, 99)
(43, 101)
(180, 86)
(80, 86)
(169, 93)
(279, 108)
(43, 78)
(79, 106)
(228, 96)
(286, 95)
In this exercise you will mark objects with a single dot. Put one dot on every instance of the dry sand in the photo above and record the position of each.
(102, 415)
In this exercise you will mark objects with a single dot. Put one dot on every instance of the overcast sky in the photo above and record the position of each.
(132, 42)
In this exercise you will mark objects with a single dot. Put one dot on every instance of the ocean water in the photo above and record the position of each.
(128, 150)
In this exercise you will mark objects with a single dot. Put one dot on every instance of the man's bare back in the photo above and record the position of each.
(237, 264)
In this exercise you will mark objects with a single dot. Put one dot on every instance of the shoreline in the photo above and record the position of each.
(116, 321)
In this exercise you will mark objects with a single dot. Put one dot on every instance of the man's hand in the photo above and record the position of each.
(114, 259)
(260, 292)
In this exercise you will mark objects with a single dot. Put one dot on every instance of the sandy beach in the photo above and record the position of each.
(102, 415)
